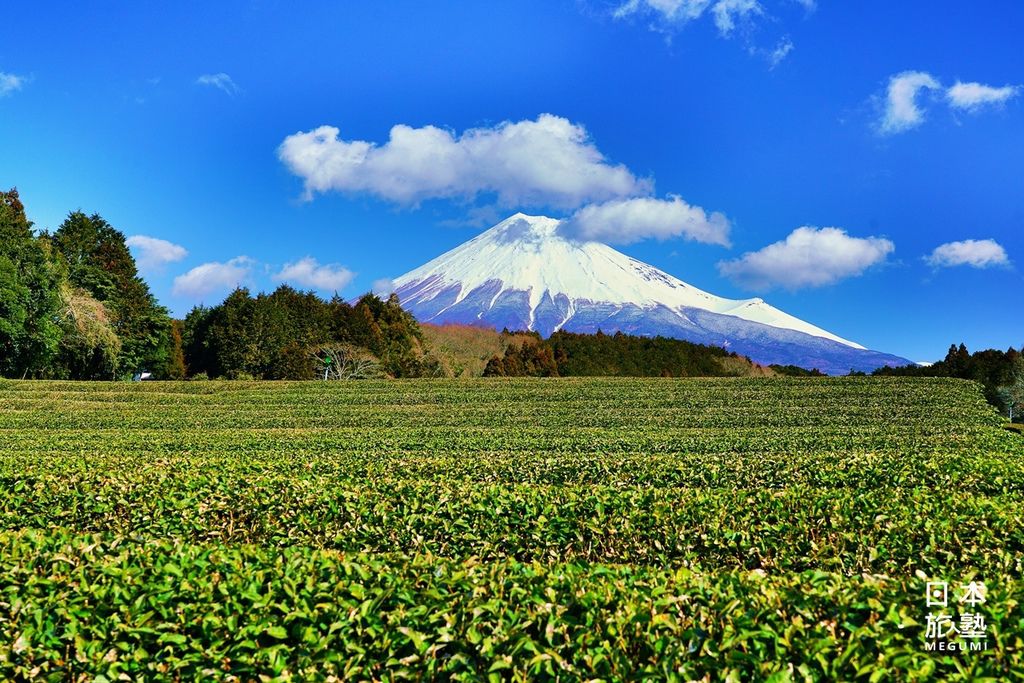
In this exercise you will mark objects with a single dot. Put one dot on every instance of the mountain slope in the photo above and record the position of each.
(523, 274)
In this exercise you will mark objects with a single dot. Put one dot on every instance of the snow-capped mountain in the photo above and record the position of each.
(524, 274)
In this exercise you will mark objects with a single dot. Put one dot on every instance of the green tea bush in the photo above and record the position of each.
(506, 529)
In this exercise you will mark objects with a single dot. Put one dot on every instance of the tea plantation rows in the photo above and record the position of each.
(704, 529)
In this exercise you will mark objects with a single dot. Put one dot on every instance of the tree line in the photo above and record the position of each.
(289, 334)
(569, 354)
(72, 304)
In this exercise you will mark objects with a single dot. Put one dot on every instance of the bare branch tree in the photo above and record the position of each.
(1012, 395)
(344, 361)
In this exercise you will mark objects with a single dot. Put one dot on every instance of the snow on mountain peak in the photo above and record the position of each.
(528, 256)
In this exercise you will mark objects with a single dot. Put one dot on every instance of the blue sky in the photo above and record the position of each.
(788, 117)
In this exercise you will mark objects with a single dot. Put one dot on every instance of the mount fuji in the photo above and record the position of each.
(523, 274)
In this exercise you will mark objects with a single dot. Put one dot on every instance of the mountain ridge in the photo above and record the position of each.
(524, 274)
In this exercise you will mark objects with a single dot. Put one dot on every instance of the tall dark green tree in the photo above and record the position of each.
(308, 321)
(228, 331)
(29, 297)
(15, 298)
(99, 262)
(195, 342)
(390, 332)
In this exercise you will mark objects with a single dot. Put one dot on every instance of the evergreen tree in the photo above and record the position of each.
(195, 342)
(29, 295)
(15, 301)
(98, 261)
(229, 335)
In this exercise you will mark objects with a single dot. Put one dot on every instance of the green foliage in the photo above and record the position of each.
(96, 255)
(626, 355)
(796, 371)
(521, 529)
(89, 347)
(567, 354)
(388, 331)
(275, 336)
(234, 341)
(997, 371)
(29, 296)
(15, 299)
(526, 355)
(92, 606)
(98, 261)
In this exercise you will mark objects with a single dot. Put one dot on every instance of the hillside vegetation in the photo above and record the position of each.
(698, 529)
(567, 354)
(1001, 374)
(470, 351)
(464, 349)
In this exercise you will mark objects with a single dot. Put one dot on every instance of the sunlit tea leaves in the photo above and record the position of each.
(505, 529)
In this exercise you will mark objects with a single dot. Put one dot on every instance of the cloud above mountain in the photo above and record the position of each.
(548, 161)
(308, 272)
(975, 253)
(623, 221)
(808, 257)
(545, 162)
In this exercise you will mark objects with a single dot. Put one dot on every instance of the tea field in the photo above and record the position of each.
(506, 529)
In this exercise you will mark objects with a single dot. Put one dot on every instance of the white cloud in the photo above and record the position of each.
(974, 253)
(546, 162)
(974, 96)
(383, 287)
(808, 257)
(623, 221)
(214, 277)
(152, 253)
(726, 13)
(901, 110)
(671, 10)
(221, 81)
(10, 83)
(307, 272)
(780, 52)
